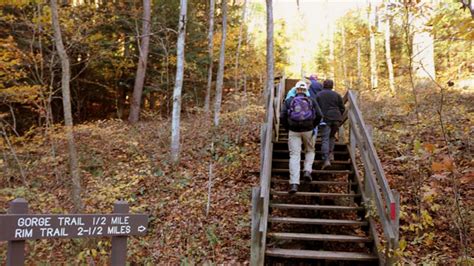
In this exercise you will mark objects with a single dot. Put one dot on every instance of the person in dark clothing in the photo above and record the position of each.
(315, 86)
(332, 108)
(299, 115)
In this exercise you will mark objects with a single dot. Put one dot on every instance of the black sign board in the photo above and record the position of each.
(39, 226)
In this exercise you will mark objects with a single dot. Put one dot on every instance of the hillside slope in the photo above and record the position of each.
(119, 161)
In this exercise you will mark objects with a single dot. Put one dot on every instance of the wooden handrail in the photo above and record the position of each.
(375, 185)
(260, 204)
(373, 154)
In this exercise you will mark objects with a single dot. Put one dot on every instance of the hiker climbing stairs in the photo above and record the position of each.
(347, 214)
(324, 220)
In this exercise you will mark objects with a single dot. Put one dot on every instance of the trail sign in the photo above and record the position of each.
(39, 226)
(18, 226)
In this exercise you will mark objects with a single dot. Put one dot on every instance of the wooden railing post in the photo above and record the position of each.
(395, 222)
(16, 248)
(255, 233)
(263, 132)
(368, 168)
(119, 243)
(340, 134)
(352, 140)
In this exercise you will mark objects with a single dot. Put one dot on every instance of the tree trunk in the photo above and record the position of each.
(359, 68)
(65, 79)
(141, 69)
(344, 65)
(152, 100)
(423, 50)
(220, 71)
(123, 86)
(270, 59)
(179, 82)
(388, 56)
(331, 52)
(121, 98)
(373, 54)
(239, 43)
(210, 47)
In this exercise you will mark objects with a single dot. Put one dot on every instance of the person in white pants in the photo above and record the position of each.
(300, 114)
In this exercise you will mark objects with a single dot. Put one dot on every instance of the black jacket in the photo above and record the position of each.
(331, 105)
(301, 127)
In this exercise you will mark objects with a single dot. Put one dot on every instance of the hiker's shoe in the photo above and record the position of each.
(293, 188)
(326, 164)
(307, 176)
(331, 156)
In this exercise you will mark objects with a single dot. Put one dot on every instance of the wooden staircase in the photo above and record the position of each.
(324, 222)
(336, 219)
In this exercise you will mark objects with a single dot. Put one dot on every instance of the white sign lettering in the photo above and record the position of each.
(31, 226)
(34, 221)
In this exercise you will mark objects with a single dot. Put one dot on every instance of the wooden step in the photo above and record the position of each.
(274, 180)
(317, 151)
(285, 141)
(317, 254)
(315, 161)
(314, 194)
(294, 220)
(318, 237)
(318, 141)
(314, 207)
(326, 172)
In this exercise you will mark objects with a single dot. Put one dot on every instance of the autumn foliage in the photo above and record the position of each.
(422, 130)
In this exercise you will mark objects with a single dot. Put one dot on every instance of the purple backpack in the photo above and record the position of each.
(301, 109)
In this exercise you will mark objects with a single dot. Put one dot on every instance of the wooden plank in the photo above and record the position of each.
(267, 157)
(395, 226)
(377, 196)
(282, 141)
(381, 179)
(344, 116)
(352, 140)
(314, 207)
(319, 152)
(314, 194)
(372, 225)
(326, 172)
(341, 135)
(318, 254)
(319, 237)
(265, 176)
(370, 184)
(255, 234)
(329, 183)
(277, 106)
(396, 221)
(373, 192)
(294, 220)
(315, 161)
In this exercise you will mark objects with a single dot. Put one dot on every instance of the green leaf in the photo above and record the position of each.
(402, 244)
(416, 146)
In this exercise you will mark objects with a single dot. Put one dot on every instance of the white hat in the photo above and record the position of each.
(301, 84)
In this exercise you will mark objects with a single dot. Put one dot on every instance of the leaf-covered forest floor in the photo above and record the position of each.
(428, 160)
(120, 161)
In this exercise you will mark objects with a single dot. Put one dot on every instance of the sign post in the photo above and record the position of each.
(16, 248)
(119, 243)
(17, 226)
